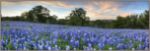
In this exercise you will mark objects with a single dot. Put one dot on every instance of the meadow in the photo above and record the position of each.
(17, 35)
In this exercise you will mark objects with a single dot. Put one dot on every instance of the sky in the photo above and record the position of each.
(102, 9)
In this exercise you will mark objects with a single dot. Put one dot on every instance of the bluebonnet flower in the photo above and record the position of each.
(120, 46)
(101, 45)
(77, 43)
(24, 35)
(49, 48)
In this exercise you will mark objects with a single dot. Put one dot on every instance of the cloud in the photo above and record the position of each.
(91, 12)
(95, 9)
(75, 0)
(106, 9)
(102, 10)
(61, 4)
(61, 16)
(11, 13)
(48, 3)
(40, 0)
(14, 7)
(125, 14)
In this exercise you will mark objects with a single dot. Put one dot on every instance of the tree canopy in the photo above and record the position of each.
(78, 17)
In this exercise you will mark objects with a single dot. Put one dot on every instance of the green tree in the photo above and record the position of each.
(62, 21)
(51, 19)
(144, 19)
(133, 21)
(39, 14)
(119, 23)
(78, 17)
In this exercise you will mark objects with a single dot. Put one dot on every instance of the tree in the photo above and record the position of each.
(78, 17)
(62, 21)
(51, 19)
(24, 16)
(133, 21)
(119, 23)
(39, 14)
(144, 19)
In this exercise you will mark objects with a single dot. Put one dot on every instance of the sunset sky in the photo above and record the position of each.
(95, 9)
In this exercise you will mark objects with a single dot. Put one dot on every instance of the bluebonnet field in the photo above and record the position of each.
(38, 36)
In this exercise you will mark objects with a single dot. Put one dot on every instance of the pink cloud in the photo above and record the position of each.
(95, 9)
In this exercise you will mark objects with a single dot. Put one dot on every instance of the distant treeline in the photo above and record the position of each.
(78, 18)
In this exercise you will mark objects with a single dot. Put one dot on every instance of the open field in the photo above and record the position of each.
(37, 36)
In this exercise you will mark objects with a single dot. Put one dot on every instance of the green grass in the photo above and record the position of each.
(107, 46)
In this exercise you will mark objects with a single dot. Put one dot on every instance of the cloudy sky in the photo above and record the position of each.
(107, 9)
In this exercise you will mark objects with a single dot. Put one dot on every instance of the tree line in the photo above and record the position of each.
(78, 17)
